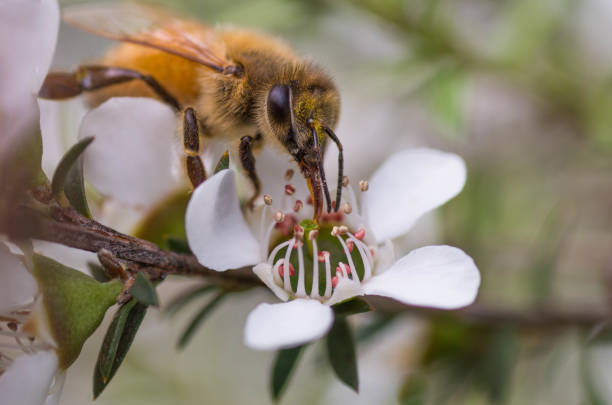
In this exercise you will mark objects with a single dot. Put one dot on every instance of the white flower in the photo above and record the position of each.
(33, 377)
(29, 31)
(351, 243)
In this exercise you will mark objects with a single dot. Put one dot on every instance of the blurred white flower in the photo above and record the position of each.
(33, 377)
(29, 31)
(355, 243)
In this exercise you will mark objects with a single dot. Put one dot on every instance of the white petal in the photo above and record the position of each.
(409, 184)
(28, 29)
(135, 153)
(264, 272)
(346, 289)
(27, 380)
(288, 324)
(433, 276)
(17, 286)
(216, 230)
(59, 126)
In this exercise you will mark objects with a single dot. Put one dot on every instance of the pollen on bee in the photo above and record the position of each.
(267, 199)
(289, 189)
(364, 185)
(289, 174)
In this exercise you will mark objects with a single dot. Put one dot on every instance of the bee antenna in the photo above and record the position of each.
(315, 138)
(334, 138)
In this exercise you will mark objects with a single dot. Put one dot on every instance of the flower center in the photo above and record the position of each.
(309, 259)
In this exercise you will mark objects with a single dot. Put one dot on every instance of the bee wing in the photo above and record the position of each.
(153, 27)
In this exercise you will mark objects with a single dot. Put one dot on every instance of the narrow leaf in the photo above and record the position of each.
(74, 188)
(110, 345)
(350, 307)
(223, 162)
(177, 244)
(144, 291)
(135, 315)
(198, 319)
(68, 160)
(178, 303)
(284, 364)
(341, 353)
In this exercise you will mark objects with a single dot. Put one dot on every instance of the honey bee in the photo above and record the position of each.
(245, 87)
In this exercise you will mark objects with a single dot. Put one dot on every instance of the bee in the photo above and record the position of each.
(245, 87)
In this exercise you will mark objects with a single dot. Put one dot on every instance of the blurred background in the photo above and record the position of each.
(522, 90)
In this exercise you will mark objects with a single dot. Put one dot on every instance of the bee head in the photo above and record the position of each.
(299, 114)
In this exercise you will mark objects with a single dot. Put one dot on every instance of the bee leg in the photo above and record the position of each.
(191, 144)
(248, 164)
(61, 85)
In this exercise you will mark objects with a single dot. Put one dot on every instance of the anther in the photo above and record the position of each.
(298, 206)
(279, 216)
(312, 235)
(334, 281)
(298, 232)
(267, 199)
(363, 185)
(289, 175)
(350, 246)
(347, 208)
(289, 189)
(342, 229)
(281, 270)
(345, 181)
(321, 256)
(360, 234)
(309, 200)
(335, 231)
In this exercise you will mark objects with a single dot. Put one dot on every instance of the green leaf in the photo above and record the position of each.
(198, 319)
(74, 303)
(184, 299)
(350, 307)
(341, 353)
(177, 244)
(97, 272)
(117, 342)
(284, 364)
(66, 163)
(144, 291)
(223, 163)
(74, 188)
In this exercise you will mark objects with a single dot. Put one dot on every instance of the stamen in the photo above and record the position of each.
(351, 245)
(345, 181)
(281, 269)
(312, 235)
(322, 255)
(349, 259)
(298, 206)
(367, 260)
(267, 199)
(298, 232)
(287, 281)
(301, 287)
(309, 200)
(328, 279)
(289, 174)
(335, 281)
(364, 185)
(314, 291)
(276, 249)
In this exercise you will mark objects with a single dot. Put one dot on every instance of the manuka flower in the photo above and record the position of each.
(348, 253)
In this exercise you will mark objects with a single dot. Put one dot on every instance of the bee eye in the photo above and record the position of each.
(278, 103)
